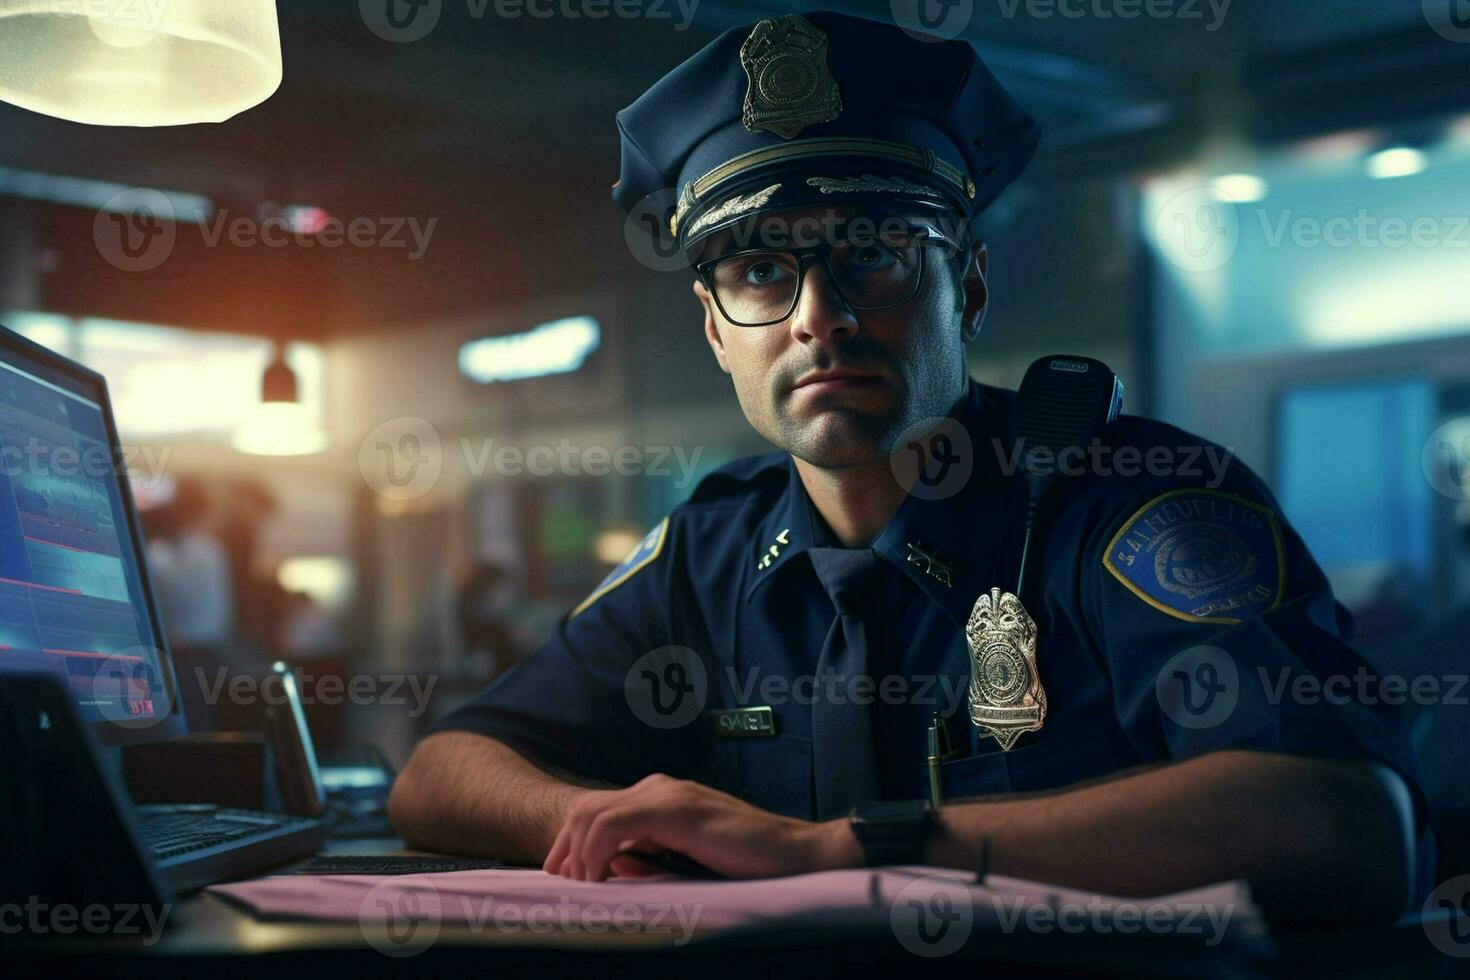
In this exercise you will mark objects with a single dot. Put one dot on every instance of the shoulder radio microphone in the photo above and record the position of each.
(1064, 403)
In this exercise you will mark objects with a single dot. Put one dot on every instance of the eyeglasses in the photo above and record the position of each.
(757, 287)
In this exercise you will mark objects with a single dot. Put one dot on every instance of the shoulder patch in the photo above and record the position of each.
(647, 550)
(1203, 556)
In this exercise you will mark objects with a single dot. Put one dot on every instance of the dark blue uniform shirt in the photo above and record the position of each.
(1178, 614)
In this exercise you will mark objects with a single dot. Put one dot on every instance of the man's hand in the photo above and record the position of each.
(725, 834)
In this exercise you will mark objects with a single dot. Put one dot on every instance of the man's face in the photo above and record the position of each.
(837, 387)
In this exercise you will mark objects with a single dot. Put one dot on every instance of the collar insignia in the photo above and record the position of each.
(774, 550)
(930, 565)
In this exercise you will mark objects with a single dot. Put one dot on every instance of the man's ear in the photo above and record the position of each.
(711, 332)
(976, 290)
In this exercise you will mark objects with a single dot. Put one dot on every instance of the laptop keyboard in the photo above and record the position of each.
(173, 830)
(391, 864)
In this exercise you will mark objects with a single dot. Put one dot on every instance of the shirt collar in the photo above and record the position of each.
(792, 527)
(951, 546)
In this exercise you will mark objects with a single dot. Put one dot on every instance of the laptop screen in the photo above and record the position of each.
(72, 597)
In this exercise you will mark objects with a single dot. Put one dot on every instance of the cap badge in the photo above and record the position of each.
(791, 86)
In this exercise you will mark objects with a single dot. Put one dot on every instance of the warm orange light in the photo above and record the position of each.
(615, 544)
(279, 429)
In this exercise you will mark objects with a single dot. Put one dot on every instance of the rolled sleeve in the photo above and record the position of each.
(1278, 678)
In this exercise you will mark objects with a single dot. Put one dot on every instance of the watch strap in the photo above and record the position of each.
(891, 831)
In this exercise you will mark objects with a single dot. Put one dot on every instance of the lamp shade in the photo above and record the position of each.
(280, 425)
(139, 62)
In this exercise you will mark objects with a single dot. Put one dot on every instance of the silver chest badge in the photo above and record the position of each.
(1006, 697)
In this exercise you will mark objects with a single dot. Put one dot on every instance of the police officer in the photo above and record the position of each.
(759, 686)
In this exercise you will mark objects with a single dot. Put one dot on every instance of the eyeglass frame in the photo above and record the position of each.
(806, 256)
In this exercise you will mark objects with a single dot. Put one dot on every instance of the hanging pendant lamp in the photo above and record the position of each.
(139, 62)
(280, 424)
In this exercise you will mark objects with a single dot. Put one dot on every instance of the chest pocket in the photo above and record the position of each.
(977, 775)
(773, 773)
(1055, 761)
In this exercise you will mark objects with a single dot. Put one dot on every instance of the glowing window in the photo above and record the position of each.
(166, 381)
(558, 347)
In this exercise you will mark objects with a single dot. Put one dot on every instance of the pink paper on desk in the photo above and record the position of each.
(907, 899)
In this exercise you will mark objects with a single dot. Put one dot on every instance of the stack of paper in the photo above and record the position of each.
(929, 910)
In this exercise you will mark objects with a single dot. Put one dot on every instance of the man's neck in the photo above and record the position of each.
(857, 501)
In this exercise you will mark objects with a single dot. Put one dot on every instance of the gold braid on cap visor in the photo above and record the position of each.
(922, 159)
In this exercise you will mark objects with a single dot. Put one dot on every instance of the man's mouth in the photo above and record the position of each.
(836, 379)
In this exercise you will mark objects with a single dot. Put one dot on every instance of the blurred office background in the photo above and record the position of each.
(1258, 216)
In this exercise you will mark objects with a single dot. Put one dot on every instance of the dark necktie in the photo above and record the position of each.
(844, 758)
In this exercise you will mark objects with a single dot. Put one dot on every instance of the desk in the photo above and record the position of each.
(214, 938)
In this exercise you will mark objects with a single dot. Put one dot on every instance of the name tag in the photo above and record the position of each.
(756, 722)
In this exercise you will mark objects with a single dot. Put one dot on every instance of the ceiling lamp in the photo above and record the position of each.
(1241, 188)
(139, 62)
(280, 425)
(1396, 161)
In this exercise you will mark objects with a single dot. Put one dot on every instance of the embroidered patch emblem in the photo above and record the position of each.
(648, 549)
(1203, 556)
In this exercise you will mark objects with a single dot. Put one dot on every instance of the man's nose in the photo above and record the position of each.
(820, 314)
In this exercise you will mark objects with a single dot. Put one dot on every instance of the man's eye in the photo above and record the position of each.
(869, 258)
(764, 272)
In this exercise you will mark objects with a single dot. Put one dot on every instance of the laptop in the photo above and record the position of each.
(77, 606)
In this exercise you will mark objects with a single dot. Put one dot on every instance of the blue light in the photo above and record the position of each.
(558, 347)
(100, 195)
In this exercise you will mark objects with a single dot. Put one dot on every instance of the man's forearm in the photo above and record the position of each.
(1314, 838)
(467, 794)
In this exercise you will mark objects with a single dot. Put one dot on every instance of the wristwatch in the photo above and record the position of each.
(891, 831)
